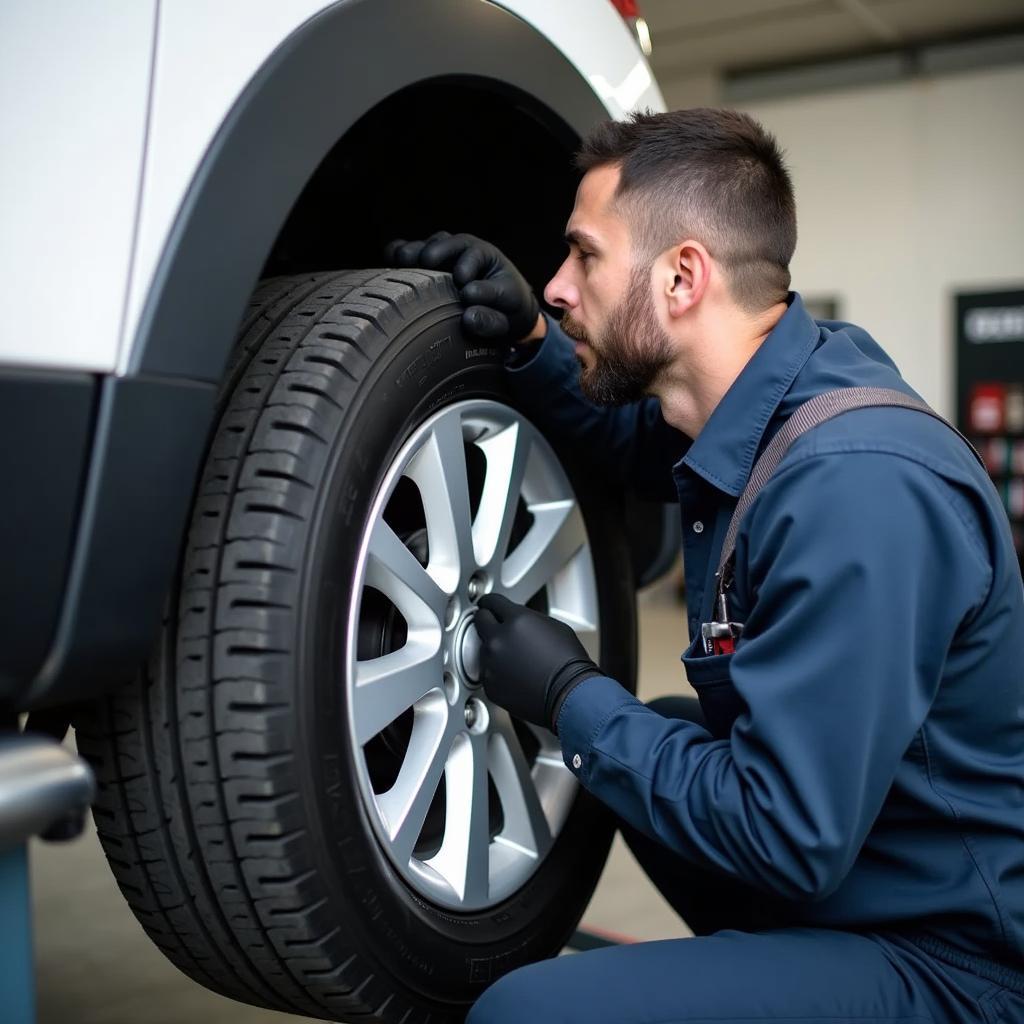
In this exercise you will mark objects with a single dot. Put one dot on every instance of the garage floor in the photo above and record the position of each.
(96, 966)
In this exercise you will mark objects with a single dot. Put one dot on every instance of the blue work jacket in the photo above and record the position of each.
(865, 759)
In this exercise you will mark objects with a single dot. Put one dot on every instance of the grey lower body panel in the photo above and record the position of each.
(99, 481)
(46, 423)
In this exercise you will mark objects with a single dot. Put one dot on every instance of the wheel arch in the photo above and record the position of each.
(318, 85)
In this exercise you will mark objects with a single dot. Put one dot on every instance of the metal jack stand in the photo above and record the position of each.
(45, 791)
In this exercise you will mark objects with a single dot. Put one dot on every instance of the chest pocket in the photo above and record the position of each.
(709, 675)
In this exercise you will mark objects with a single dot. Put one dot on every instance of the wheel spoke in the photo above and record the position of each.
(550, 748)
(586, 631)
(526, 825)
(556, 535)
(393, 569)
(405, 805)
(507, 453)
(385, 687)
(439, 471)
(463, 859)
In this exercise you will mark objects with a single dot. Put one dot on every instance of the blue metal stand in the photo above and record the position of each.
(17, 987)
(44, 790)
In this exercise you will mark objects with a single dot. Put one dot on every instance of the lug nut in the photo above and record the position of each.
(477, 586)
(477, 718)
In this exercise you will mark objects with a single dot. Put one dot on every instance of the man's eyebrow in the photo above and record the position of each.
(581, 238)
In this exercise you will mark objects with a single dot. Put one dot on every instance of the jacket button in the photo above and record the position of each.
(576, 760)
(698, 527)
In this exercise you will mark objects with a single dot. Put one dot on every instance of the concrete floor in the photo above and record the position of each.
(95, 964)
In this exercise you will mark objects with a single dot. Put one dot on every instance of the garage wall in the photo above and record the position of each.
(906, 193)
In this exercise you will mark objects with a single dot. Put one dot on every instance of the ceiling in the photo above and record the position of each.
(698, 38)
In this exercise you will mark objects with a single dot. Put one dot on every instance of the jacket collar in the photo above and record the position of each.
(723, 453)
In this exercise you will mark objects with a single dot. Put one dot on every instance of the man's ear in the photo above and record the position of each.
(689, 270)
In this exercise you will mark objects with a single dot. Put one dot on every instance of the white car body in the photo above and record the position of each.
(107, 114)
(161, 157)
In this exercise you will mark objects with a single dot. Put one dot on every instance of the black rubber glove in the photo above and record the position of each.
(529, 662)
(500, 305)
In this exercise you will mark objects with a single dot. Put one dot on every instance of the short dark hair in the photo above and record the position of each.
(713, 175)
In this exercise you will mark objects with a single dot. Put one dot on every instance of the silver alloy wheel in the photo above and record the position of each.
(430, 680)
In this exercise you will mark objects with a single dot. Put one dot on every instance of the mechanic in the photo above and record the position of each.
(840, 820)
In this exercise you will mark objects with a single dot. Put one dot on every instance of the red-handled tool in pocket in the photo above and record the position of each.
(720, 635)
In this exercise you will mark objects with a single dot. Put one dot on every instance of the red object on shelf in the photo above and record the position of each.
(996, 453)
(627, 8)
(986, 408)
(1013, 409)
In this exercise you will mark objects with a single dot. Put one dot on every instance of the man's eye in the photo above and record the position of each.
(584, 256)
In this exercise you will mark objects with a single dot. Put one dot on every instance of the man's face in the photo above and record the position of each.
(607, 301)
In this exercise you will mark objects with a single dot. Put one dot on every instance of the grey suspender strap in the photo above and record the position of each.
(819, 409)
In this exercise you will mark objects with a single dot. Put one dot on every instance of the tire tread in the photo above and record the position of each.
(195, 755)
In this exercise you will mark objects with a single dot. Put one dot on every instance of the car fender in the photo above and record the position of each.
(214, 198)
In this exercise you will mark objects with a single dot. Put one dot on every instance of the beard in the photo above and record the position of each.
(629, 352)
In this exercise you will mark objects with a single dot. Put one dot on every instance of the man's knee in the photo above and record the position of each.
(508, 1001)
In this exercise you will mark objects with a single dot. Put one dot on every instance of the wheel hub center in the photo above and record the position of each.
(467, 650)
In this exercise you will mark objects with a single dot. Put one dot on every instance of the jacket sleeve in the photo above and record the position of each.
(863, 565)
(631, 445)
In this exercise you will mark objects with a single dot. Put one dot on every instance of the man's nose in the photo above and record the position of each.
(560, 291)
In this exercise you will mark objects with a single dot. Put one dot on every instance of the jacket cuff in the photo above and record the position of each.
(584, 714)
(545, 362)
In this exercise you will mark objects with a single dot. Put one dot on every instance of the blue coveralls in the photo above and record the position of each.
(856, 777)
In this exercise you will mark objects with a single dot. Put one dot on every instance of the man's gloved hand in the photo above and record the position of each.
(500, 305)
(529, 662)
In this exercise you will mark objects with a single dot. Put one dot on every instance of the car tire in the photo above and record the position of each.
(237, 802)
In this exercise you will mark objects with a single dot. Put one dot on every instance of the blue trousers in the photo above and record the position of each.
(746, 965)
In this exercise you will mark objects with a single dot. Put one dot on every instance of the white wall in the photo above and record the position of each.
(907, 193)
